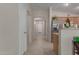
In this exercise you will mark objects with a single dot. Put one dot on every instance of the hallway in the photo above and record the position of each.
(40, 46)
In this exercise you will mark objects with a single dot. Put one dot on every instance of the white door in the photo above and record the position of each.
(38, 27)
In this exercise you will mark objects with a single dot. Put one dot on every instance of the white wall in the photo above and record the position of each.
(49, 27)
(14, 21)
(30, 23)
(66, 44)
(13, 24)
(8, 29)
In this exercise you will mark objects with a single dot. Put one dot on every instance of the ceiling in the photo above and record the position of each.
(58, 6)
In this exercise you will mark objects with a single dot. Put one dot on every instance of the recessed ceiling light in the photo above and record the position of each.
(66, 4)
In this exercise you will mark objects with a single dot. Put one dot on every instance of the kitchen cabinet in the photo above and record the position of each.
(65, 41)
(54, 38)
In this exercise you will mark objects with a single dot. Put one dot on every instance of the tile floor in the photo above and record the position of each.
(40, 46)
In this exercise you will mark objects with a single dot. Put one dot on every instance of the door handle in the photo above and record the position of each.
(25, 32)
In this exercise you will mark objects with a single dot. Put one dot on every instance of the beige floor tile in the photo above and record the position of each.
(40, 46)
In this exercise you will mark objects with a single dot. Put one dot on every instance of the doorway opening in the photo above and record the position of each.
(39, 28)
